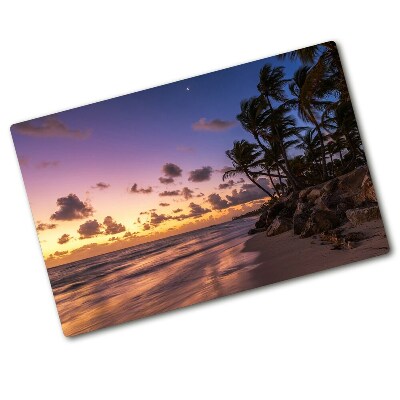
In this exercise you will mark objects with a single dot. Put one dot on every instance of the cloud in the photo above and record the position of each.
(89, 229)
(65, 238)
(201, 174)
(166, 193)
(60, 253)
(171, 170)
(135, 189)
(48, 127)
(247, 192)
(166, 181)
(157, 219)
(47, 164)
(227, 185)
(71, 208)
(187, 193)
(101, 186)
(215, 125)
(230, 184)
(129, 235)
(196, 211)
(112, 227)
(44, 227)
(178, 210)
(217, 203)
(56, 255)
(146, 227)
(164, 204)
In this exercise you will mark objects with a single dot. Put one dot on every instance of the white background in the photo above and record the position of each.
(334, 335)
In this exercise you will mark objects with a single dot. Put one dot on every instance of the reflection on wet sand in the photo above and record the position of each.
(152, 278)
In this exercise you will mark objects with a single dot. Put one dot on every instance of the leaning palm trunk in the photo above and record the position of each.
(257, 184)
(272, 182)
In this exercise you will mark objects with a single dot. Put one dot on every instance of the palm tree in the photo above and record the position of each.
(326, 75)
(244, 157)
(310, 144)
(268, 162)
(341, 122)
(308, 105)
(251, 117)
(271, 86)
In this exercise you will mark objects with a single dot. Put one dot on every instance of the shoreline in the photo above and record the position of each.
(287, 256)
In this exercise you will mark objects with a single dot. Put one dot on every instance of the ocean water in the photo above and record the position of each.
(153, 277)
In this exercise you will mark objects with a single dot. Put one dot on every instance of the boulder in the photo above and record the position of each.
(279, 225)
(300, 217)
(367, 193)
(358, 216)
(320, 221)
(350, 183)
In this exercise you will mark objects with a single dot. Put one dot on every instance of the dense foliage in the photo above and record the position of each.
(304, 128)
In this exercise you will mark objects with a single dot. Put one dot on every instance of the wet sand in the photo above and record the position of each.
(288, 256)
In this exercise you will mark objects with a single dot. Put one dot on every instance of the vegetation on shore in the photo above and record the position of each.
(303, 128)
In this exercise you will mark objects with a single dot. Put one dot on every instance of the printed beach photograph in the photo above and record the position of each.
(199, 189)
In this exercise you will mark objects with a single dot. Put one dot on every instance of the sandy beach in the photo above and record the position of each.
(288, 256)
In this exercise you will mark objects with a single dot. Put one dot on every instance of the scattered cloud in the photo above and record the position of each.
(129, 235)
(171, 170)
(56, 254)
(157, 219)
(70, 208)
(112, 227)
(201, 174)
(214, 125)
(164, 204)
(217, 203)
(44, 227)
(47, 164)
(166, 193)
(146, 227)
(187, 193)
(89, 229)
(247, 192)
(166, 181)
(136, 189)
(65, 238)
(197, 210)
(48, 127)
(230, 184)
(101, 186)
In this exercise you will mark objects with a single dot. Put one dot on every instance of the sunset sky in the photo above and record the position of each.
(138, 167)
